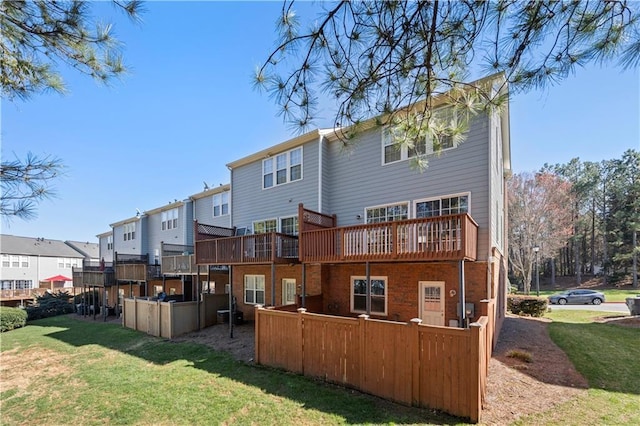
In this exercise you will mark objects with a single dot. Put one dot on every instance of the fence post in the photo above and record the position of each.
(362, 321)
(301, 312)
(475, 393)
(257, 333)
(159, 318)
(415, 361)
(135, 313)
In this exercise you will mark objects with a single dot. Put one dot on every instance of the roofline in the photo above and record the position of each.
(275, 149)
(211, 191)
(336, 134)
(125, 221)
(104, 234)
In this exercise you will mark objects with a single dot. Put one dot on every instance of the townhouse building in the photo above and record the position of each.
(350, 229)
(152, 252)
(31, 266)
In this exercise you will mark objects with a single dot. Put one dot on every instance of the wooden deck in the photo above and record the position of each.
(271, 247)
(453, 237)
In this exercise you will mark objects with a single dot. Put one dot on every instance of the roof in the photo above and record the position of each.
(276, 149)
(89, 250)
(211, 191)
(28, 246)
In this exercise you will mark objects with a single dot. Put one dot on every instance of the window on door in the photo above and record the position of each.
(288, 291)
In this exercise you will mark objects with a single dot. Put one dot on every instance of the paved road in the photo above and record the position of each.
(605, 307)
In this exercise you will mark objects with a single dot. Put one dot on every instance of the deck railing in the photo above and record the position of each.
(180, 264)
(452, 237)
(272, 247)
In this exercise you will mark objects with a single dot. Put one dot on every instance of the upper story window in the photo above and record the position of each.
(289, 225)
(110, 242)
(393, 152)
(265, 226)
(169, 219)
(221, 204)
(442, 206)
(15, 261)
(283, 168)
(130, 231)
(388, 213)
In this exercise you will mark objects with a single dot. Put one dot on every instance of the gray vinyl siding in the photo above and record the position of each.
(156, 236)
(203, 208)
(105, 253)
(187, 223)
(358, 179)
(252, 203)
(127, 247)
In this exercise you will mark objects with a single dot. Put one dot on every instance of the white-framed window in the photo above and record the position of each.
(387, 213)
(393, 152)
(60, 263)
(442, 206)
(283, 168)
(129, 231)
(254, 289)
(169, 219)
(378, 295)
(110, 242)
(6, 262)
(67, 263)
(15, 261)
(265, 226)
(24, 261)
(289, 225)
(221, 204)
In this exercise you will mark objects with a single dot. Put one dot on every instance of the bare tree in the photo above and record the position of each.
(539, 216)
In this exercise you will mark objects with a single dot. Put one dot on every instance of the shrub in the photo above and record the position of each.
(523, 356)
(11, 318)
(50, 305)
(527, 305)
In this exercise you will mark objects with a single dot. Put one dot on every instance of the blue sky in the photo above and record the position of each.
(188, 108)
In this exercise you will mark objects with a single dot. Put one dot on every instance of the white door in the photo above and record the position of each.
(431, 302)
(288, 291)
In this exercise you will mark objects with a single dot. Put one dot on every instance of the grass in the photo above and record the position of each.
(607, 356)
(64, 371)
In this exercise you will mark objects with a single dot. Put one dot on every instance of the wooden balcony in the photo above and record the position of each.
(248, 249)
(184, 264)
(134, 267)
(453, 237)
(93, 278)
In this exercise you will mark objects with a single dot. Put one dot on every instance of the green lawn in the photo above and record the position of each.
(607, 356)
(64, 371)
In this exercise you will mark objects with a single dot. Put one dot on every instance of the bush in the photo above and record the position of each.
(11, 318)
(50, 305)
(527, 305)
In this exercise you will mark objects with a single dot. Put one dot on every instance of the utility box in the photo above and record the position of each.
(633, 303)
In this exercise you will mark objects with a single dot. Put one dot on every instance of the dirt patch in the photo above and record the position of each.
(622, 321)
(218, 337)
(516, 388)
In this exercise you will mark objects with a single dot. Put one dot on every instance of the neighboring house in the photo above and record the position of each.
(29, 264)
(152, 252)
(356, 232)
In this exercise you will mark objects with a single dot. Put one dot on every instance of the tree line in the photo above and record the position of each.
(577, 218)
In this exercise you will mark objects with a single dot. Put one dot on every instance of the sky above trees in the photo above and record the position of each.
(188, 107)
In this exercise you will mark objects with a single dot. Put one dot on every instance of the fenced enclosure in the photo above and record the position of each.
(437, 367)
(172, 319)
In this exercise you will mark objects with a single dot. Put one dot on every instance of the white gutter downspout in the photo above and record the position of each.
(320, 169)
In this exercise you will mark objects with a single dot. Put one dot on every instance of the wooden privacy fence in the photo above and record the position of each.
(437, 367)
(171, 319)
